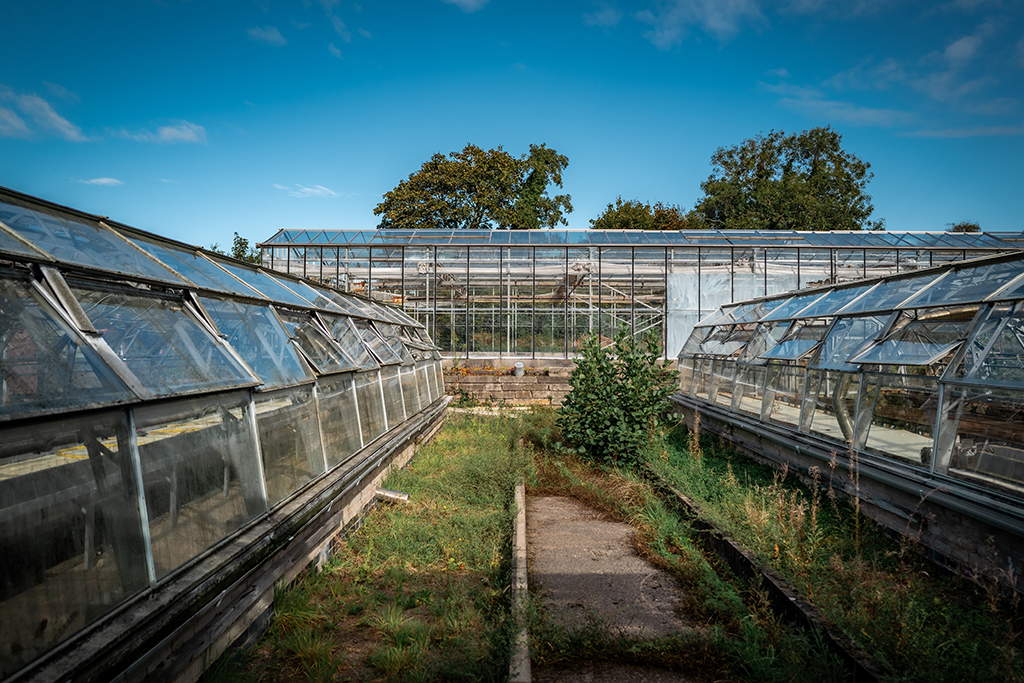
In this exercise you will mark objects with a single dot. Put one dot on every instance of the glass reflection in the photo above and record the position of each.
(339, 417)
(289, 432)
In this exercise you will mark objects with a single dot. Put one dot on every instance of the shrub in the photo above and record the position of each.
(619, 399)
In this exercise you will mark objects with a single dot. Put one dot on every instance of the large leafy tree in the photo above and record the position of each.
(636, 215)
(477, 188)
(775, 181)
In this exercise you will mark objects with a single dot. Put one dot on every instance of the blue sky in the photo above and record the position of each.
(199, 119)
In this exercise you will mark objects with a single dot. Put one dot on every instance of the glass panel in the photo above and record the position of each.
(889, 294)
(833, 302)
(196, 268)
(968, 284)
(394, 402)
(410, 392)
(74, 241)
(783, 393)
(831, 404)
(161, 343)
(793, 306)
(371, 405)
(921, 341)
(723, 375)
(392, 335)
(264, 284)
(989, 427)
(897, 412)
(12, 246)
(70, 531)
(44, 365)
(289, 440)
(424, 377)
(256, 333)
(339, 417)
(346, 334)
(800, 340)
(749, 388)
(846, 337)
(201, 474)
(996, 354)
(376, 343)
(318, 347)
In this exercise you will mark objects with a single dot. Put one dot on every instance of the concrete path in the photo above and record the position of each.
(585, 567)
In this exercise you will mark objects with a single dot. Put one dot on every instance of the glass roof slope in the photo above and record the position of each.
(318, 347)
(968, 284)
(264, 284)
(193, 267)
(84, 244)
(726, 238)
(11, 245)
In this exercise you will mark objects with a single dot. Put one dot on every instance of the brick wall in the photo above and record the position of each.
(547, 389)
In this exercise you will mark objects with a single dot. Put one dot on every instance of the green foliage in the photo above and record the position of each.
(776, 181)
(618, 403)
(240, 250)
(634, 215)
(964, 226)
(478, 189)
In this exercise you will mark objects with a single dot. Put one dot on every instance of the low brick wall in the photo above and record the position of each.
(548, 389)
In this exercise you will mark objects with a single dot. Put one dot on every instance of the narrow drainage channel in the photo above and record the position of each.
(785, 600)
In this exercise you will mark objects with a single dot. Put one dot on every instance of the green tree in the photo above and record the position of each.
(636, 215)
(240, 250)
(964, 226)
(478, 188)
(775, 181)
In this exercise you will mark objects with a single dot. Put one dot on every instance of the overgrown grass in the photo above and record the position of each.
(738, 637)
(882, 593)
(418, 594)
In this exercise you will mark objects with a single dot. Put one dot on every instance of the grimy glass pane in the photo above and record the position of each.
(70, 531)
(394, 403)
(339, 418)
(86, 244)
(255, 332)
(997, 350)
(410, 392)
(783, 393)
(162, 344)
(846, 336)
(902, 415)
(201, 472)
(989, 427)
(371, 405)
(321, 349)
(384, 353)
(44, 365)
(193, 266)
(263, 283)
(831, 404)
(423, 383)
(748, 391)
(289, 440)
(345, 333)
(723, 376)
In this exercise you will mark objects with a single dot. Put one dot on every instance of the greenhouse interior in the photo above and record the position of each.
(158, 399)
(919, 377)
(538, 293)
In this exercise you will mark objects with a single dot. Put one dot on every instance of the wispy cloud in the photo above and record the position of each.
(673, 22)
(303, 191)
(182, 131)
(333, 50)
(339, 28)
(781, 73)
(467, 5)
(365, 34)
(817, 104)
(60, 91)
(170, 182)
(268, 34)
(869, 75)
(12, 125)
(37, 110)
(107, 182)
(607, 16)
(973, 132)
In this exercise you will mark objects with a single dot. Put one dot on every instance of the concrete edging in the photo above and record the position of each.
(519, 665)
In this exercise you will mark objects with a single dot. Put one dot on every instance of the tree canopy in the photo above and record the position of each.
(775, 181)
(475, 188)
(635, 215)
(240, 250)
(964, 226)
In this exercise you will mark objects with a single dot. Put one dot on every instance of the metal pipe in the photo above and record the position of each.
(389, 496)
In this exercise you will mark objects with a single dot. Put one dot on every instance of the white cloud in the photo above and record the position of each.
(62, 92)
(606, 16)
(269, 35)
(869, 76)
(170, 182)
(962, 51)
(333, 50)
(781, 72)
(847, 112)
(107, 182)
(467, 5)
(42, 114)
(302, 191)
(977, 131)
(12, 126)
(182, 131)
(721, 18)
(339, 28)
(364, 33)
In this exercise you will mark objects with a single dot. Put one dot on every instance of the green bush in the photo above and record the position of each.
(619, 399)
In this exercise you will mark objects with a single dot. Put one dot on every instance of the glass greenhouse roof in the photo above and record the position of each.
(646, 238)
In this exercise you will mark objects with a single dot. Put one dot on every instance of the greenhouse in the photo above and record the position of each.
(158, 400)
(918, 377)
(538, 293)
